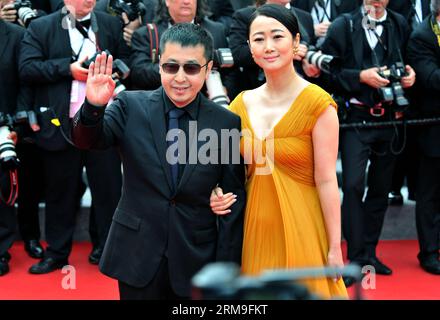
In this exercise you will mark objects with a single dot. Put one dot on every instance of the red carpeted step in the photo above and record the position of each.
(408, 281)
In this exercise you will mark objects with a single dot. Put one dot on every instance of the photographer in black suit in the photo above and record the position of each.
(144, 63)
(58, 77)
(415, 11)
(10, 38)
(424, 55)
(163, 230)
(369, 41)
(324, 12)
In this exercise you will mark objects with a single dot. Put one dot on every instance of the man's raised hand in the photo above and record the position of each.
(100, 85)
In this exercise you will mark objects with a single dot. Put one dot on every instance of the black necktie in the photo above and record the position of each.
(173, 123)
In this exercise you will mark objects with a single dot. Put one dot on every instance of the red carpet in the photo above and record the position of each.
(407, 282)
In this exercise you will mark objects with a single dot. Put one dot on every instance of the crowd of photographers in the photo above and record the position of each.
(379, 58)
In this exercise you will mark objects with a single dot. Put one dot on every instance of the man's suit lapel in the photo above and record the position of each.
(204, 121)
(426, 10)
(101, 35)
(155, 111)
(357, 36)
(4, 37)
(64, 40)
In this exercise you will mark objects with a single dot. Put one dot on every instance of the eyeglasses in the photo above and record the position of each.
(189, 68)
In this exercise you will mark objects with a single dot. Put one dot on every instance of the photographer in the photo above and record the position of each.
(58, 74)
(144, 9)
(415, 11)
(252, 76)
(324, 12)
(22, 12)
(221, 11)
(370, 42)
(145, 67)
(10, 38)
(424, 55)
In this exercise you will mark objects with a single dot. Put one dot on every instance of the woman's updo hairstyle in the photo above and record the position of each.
(279, 13)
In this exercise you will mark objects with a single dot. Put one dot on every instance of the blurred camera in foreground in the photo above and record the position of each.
(223, 281)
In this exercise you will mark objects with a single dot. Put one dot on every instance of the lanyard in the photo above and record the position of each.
(85, 35)
(323, 5)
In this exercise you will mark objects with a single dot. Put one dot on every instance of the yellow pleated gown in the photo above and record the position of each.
(284, 223)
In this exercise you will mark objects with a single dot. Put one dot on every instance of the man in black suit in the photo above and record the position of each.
(366, 41)
(424, 55)
(324, 12)
(163, 230)
(415, 11)
(59, 80)
(145, 67)
(10, 39)
(252, 75)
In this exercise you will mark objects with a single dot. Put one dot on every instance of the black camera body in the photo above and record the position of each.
(119, 71)
(133, 8)
(8, 123)
(394, 91)
(222, 58)
(24, 11)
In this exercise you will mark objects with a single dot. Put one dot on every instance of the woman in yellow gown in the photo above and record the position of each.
(292, 217)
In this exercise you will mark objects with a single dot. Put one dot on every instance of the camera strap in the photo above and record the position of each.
(81, 29)
(435, 28)
(154, 41)
(13, 194)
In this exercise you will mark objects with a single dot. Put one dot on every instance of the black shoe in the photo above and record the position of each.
(430, 264)
(395, 199)
(4, 266)
(95, 255)
(47, 265)
(34, 249)
(379, 267)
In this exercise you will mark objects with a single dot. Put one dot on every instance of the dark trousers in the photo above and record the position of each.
(407, 163)
(362, 220)
(428, 206)
(31, 180)
(159, 287)
(63, 171)
(8, 228)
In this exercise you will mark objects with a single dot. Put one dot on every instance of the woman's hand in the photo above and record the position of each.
(220, 203)
(335, 260)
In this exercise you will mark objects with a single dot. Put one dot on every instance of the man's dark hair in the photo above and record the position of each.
(188, 35)
(279, 13)
(162, 14)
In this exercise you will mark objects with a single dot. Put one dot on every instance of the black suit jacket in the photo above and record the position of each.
(344, 40)
(338, 7)
(45, 61)
(238, 38)
(11, 36)
(424, 56)
(405, 8)
(145, 73)
(152, 219)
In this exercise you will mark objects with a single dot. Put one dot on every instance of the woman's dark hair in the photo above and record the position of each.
(162, 13)
(279, 13)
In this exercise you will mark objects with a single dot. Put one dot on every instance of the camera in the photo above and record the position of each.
(323, 62)
(222, 58)
(8, 155)
(24, 11)
(133, 8)
(394, 92)
(120, 71)
(223, 281)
